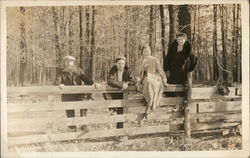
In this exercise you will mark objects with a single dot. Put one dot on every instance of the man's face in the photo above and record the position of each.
(69, 63)
(181, 40)
(120, 64)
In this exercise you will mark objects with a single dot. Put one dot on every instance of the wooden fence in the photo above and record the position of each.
(39, 121)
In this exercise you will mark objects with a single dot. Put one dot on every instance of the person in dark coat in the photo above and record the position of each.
(174, 62)
(70, 75)
(118, 77)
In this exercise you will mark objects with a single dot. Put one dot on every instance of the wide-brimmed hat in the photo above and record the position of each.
(69, 57)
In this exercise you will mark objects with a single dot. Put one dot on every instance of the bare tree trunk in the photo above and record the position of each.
(70, 34)
(163, 30)
(151, 27)
(185, 20)
(239, 43)
(23, 48)
(207, 59)
(200, 75)
(93, 53)
(126, 36)
(215, 51)
(224, 48)
(80, 37)
(194, 26)
(59, 54)
(87, 42)
(173, 23)
(234, 46)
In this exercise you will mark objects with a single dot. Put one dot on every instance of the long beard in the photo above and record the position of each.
(70, 68)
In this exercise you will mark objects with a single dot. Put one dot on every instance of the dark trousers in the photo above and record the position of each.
(119, 111)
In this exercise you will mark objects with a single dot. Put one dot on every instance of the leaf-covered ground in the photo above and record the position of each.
(168, 143)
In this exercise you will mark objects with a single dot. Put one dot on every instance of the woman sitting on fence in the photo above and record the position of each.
(118, 77)
(71, 75)
(150, 79)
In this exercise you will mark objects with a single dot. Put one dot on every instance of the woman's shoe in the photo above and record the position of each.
(145, 116)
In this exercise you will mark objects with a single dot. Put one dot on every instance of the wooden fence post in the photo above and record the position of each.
(125, 111)
(51, 99)
(187, 105)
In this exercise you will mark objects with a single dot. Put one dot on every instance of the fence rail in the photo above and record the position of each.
(46, 121)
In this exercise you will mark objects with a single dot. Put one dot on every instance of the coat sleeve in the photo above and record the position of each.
(130, 77)
(188, 49)
(112, 81)
(85, 79)
(58, 80)
(167, 60)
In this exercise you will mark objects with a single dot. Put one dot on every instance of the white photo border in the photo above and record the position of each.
(189, 154)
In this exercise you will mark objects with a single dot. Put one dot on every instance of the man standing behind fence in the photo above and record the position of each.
(70, 75)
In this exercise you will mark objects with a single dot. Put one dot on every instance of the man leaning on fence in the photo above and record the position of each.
(71, 75)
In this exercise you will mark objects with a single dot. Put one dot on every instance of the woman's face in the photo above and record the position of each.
(120, 64)
(181, 40)
(69, 63)
(146, 52)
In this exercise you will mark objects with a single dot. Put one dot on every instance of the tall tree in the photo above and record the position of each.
(59, 54)
(185, 20)
(151, 27)
(69, 33)
(93, 51)
(234, 46)
(81, 36)
(223, 40)
(126, 34)
(239, 40)
(23, 47)
(163, 41)
(87, 66)
(215, 51)
(173, 23)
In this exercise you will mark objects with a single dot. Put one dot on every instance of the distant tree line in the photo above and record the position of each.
(39, 37)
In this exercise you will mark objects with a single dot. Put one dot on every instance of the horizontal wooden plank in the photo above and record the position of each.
(37, 125)
(169, 109)
(206, 126)
(219, 106)
(211, 93)
(28, 107)
(219, 117)
(215, 114)
(92, 134)
(104, 88)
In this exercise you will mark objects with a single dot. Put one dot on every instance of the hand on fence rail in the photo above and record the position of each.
(165, 84)
(97, 85)
(125, 86)
(61, 86)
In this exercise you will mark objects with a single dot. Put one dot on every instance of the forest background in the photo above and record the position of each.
(39, 37)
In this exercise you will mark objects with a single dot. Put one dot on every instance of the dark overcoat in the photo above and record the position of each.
(174, 62)
(75, 79)
(112, 81)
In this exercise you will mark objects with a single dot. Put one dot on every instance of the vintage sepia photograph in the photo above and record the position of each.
(157, 77)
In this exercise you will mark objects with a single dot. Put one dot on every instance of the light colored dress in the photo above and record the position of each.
(152, 77)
